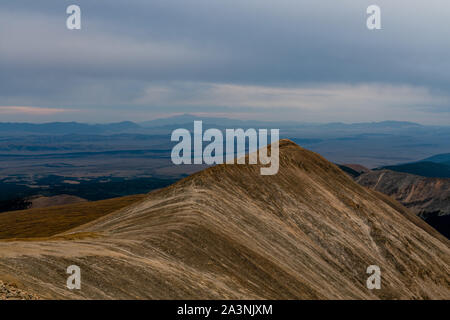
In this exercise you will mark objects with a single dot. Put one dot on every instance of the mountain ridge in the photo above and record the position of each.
(227, 232)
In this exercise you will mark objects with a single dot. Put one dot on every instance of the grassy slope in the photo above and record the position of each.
(54, 220)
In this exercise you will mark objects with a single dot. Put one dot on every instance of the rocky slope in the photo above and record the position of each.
(424, 196)
(309, 232)
(427, 197)
(11, 292)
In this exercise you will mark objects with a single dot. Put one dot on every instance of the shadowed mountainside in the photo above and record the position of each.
(426, 197)
(227, 232)
(49, 221)
(422, 195)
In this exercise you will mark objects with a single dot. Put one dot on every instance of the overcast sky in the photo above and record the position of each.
(304, 60)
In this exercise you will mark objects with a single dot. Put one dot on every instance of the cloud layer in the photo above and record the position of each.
(312, 60)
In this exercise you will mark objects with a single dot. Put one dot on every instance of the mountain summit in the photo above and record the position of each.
(227, 232)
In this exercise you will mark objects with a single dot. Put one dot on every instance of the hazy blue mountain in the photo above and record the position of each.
(437, 166)
(373, 125)
(423, 168)
(188, 119)
(440, 158)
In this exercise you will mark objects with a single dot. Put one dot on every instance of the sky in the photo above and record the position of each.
(296, 60)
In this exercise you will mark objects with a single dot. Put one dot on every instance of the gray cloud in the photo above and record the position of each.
(171, 55)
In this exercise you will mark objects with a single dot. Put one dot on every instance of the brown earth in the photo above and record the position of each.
(309, 232)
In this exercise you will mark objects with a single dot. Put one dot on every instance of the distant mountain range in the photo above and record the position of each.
(31, 146)
(423, 168)
(372, 144)
(440, 158)
(171, 122)
(437, 166)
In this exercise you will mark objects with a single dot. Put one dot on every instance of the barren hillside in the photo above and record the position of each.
(227, 232)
